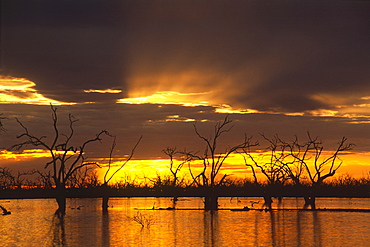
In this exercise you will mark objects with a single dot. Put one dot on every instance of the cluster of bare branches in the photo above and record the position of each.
(301, 163)
(10, 180)
(108, 177)
(183, 157)
(83, 178)
(295, 161)
(86, 177)
(143, 220)
(211, 159)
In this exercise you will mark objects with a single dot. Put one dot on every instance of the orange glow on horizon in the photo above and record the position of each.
(354, 164)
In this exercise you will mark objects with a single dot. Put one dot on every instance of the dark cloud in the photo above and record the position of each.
(265, 55)
(65, 47)
(279, 56)
(66, 13)
(276, 55)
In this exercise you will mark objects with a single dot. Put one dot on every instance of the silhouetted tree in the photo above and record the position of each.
(108, 177)
(318, 166)
(213, 161)
(171, 152)
(66, 159)
(294, 169)
(272, 166)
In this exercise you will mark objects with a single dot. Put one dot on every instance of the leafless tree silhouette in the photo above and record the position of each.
(272, 166)
(213, 161)
(174, 167)
(295, 161)
(66, 159)
(317, 166)
(108, 177)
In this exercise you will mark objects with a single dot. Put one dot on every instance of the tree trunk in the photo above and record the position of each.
(211, 199)
(310, 201)
(309, 197)
(105, 203)
(59, 238)
(61, 199)
(105, 197)
(268, 202)
(174, 200)
(211, 202)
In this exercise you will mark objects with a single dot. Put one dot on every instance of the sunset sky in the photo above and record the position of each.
(155, 68)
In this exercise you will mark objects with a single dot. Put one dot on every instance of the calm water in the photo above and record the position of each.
(33, 223)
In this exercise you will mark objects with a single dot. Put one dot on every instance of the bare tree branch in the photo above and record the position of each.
(213, 161)
(124, 163)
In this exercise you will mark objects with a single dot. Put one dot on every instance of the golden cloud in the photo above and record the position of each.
(28, 154)
(169, 97)
(103, 91)
(20, 91)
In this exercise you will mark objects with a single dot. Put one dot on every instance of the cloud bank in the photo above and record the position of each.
(284, 57)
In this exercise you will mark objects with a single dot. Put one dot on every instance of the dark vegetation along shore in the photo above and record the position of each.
(290, 169)
(343, 186)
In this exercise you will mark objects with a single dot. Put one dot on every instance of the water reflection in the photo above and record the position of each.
(211, 228)
(317, 228)
(105, 230)
(58, 230)
(34, 221)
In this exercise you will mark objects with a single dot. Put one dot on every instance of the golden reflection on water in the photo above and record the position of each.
(33, 223)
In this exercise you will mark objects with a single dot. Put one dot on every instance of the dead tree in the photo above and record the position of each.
(318, 166)
(272, 166)
(66, 159)
(174, 167)
(212, 162)
(294, 168)
(108, 177)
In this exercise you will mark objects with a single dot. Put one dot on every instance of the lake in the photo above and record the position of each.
(33, 223)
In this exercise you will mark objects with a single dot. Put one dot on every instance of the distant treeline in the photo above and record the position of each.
(343, 186)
